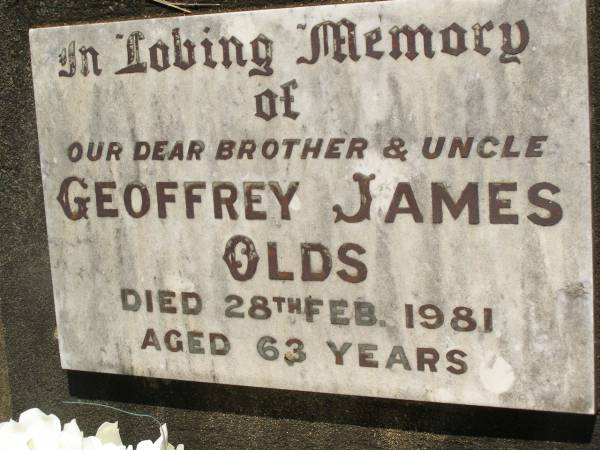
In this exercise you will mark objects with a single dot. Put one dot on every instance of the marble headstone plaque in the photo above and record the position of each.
(386, 199)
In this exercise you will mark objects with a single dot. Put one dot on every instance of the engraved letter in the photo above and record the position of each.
(364, 212)
(507, 45)
(133, 55)
(249, 250)
(69, 58)
(338, 41)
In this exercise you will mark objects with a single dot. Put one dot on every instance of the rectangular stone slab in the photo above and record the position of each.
(385, 199)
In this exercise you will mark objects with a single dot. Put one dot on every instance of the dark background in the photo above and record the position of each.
(202, 415)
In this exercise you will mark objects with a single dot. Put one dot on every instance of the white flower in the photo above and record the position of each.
(108, 433)
(38, 431)
(13, 436)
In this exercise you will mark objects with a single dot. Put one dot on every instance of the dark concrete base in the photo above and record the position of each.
(5, 406)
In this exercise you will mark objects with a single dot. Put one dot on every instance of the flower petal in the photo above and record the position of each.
(147, 445)
(108, 433)
(71, 438)
(13, 436)
(35, 418)
(42, 430)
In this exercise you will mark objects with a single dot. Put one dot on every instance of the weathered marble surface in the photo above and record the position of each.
(537, 280)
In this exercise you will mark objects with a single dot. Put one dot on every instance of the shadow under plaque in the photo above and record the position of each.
(351, 410)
